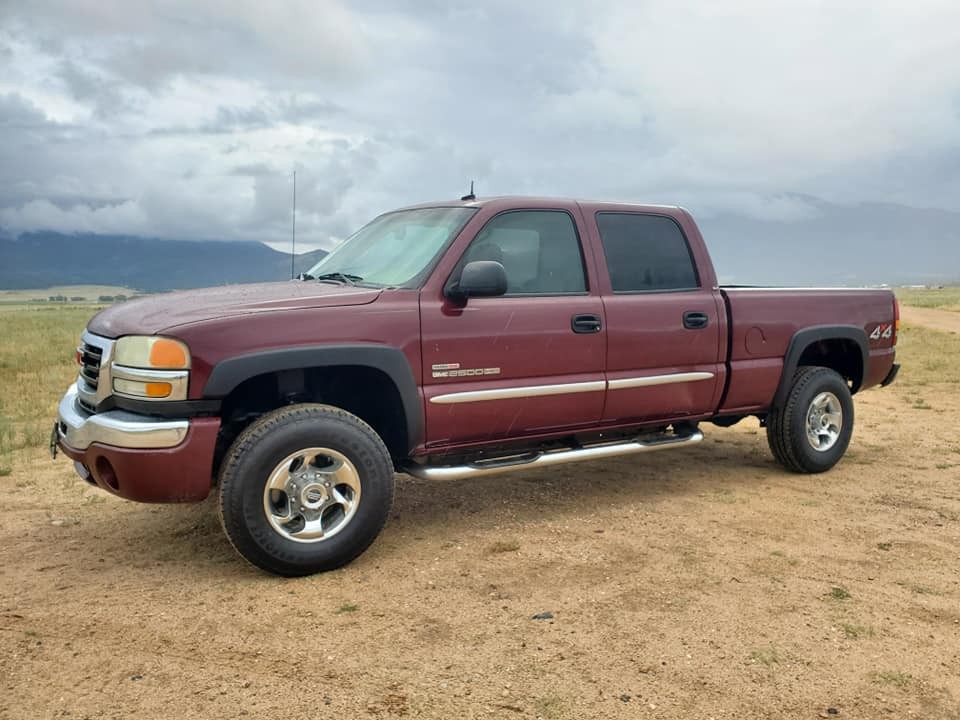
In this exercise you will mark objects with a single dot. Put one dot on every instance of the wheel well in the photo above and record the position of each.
(366, 392)
(839, 354)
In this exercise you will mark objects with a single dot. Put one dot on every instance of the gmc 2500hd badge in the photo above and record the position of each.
(454, 370)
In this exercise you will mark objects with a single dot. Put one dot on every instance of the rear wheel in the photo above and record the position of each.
(305, 489)
(812, 430)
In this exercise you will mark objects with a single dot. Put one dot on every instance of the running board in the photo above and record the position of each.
(546, 459)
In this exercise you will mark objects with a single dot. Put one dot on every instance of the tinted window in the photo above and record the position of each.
(539, 249)
(646, 252)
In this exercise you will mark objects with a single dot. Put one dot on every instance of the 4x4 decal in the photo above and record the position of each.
(883, 331)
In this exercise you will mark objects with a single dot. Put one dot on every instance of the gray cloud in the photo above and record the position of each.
(152, 44)
(16, 113)
(186, 119)
(265, 114)
(88, 87)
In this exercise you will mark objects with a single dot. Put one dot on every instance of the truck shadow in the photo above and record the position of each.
(578, 489)
(426, 511)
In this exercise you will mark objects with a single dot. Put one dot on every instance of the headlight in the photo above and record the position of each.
(158, 353)
(150, 368)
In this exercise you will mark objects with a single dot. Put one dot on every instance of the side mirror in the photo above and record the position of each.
(480, 278)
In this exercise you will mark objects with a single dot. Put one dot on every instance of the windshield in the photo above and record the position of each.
(393, 249)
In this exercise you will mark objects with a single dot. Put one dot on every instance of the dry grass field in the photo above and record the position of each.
(36, 365)
(704, 583)
(941, 298)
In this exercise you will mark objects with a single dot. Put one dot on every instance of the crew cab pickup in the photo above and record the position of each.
(452, 340)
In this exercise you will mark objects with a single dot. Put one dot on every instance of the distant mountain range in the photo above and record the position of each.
(44, 259)
(866, 244)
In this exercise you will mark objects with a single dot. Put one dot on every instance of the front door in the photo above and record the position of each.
(528, 363)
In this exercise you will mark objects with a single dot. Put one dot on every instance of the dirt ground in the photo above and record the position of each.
(943, 320)
(703, 583)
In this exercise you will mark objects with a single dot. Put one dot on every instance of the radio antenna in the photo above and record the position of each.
(471, 196)
(293, 228)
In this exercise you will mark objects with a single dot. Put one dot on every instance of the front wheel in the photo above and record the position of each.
(305, 489)
(812, 430)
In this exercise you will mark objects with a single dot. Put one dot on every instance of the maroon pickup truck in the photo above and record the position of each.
(452, 340)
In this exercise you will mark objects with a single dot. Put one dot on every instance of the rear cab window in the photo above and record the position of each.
(646, 253)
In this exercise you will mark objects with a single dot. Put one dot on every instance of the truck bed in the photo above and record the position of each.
(763, 320)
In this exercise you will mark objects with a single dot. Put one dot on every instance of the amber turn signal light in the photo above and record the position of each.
(158, 389)
(166, 353)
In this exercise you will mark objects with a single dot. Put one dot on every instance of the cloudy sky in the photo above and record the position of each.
(186, 119)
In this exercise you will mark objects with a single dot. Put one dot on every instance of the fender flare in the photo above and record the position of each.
(228, 374)
(803, 339)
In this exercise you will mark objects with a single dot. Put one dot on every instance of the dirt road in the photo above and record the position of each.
(943, 320)
(705, 583)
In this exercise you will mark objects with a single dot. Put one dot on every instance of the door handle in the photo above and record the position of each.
(695, 320)
(586, 324)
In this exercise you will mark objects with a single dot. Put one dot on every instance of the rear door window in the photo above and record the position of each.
(646, 253)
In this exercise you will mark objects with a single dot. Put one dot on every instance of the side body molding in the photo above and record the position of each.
(807, 337)
(228, 374)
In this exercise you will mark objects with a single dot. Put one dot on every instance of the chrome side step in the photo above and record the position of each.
(545, 459)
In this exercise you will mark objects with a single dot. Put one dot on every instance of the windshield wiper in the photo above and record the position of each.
(343, 278)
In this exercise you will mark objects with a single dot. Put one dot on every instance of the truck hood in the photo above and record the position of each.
(160, 313)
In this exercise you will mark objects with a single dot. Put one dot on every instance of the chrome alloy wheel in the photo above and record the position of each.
(824, 421)
(311, 495)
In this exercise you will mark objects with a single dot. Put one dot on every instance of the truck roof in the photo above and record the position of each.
(535, 201)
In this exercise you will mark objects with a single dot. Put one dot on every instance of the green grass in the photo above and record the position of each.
(347, 608)
(6, 444)
(928, 357)
(946, 298)
(892, 677)
(838, 592)
(783, 557)
(919, 589)
(549, 706)
(36, 366)
(723, 495)
(856, 632)
(503, 546)
(765, 656)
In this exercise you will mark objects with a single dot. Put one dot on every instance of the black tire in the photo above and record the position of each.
(260, 451)
(787, 426)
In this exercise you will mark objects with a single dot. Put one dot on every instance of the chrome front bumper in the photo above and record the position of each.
(79, 429)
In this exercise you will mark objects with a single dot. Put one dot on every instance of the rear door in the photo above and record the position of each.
(664, 323)
(527, 363)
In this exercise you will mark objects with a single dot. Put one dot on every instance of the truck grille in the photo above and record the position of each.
(90, 357)
(91, 362)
